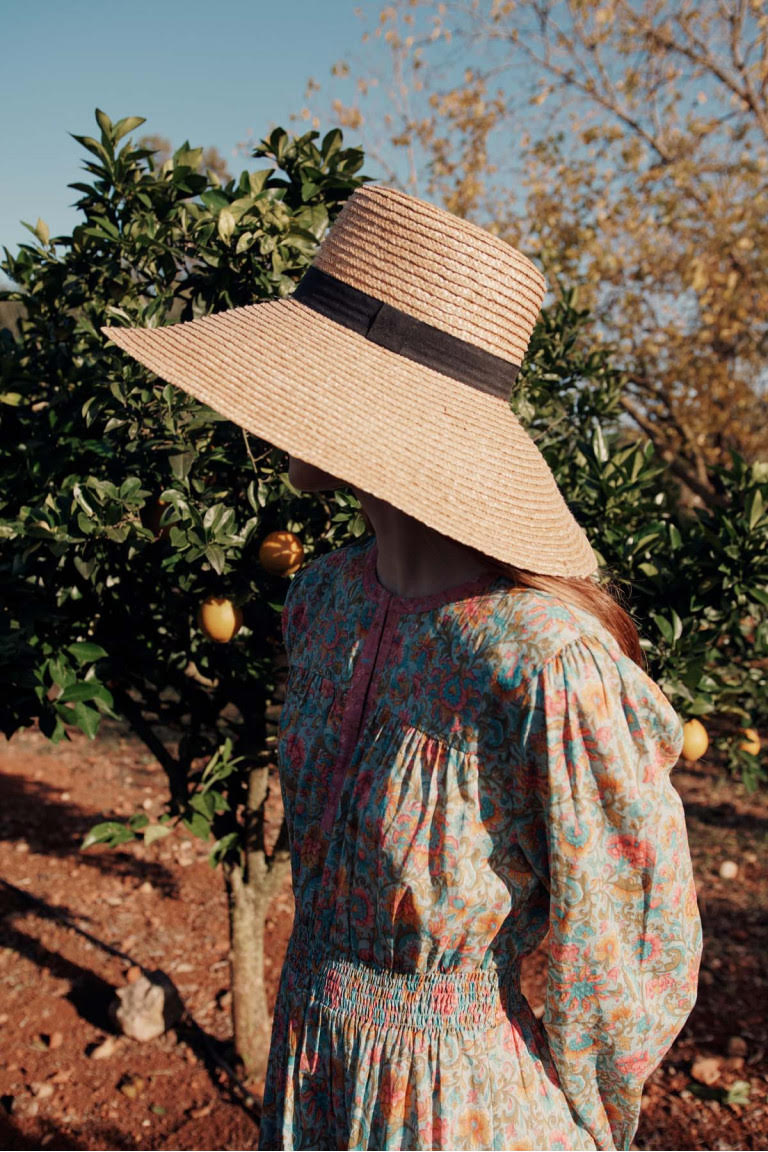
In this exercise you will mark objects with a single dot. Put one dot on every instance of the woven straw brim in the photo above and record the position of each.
(453, 457)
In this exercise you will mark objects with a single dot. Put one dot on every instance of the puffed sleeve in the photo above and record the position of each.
(607, 837)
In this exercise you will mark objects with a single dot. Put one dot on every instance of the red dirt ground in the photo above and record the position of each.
(63, 910)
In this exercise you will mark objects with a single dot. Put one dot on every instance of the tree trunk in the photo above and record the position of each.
(251, 886)
(252, 1023)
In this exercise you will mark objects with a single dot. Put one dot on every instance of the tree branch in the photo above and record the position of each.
(676, 464)
(135, 717)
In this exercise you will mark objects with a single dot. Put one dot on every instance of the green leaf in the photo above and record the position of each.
(599, 445)
(203, 803)
(85, 651)
(755, 508)
(226, 225)
(155, 832)
(110, 833)
(138, 821)
(216, 557)
(648, 569)
(223, 847)
(104, 122)
(214, 200)
(198, 826)
(92, 145)
(126, 125)
(181, 464)
(677, 625)
(86, 690)
(664, 627)
(87, 719)
(331, 142)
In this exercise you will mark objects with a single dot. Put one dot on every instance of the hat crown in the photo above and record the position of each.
(437, 267)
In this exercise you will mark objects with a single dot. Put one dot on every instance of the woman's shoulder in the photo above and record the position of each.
(534, 626)
(324, 571)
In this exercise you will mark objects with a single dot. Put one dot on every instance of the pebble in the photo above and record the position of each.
(104, 1050)
(201, 1112)
(41, 1091)
(729, 870)
(706, 1069)
(131, 1086)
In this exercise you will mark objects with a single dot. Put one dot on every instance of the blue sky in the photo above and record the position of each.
(213, 73)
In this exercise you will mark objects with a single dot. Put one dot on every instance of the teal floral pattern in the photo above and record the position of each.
(463, 775)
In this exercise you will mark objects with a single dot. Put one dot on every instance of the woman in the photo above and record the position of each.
(471, 754)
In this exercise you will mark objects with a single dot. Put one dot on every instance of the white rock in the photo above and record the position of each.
(729, 870)
(148, 1006)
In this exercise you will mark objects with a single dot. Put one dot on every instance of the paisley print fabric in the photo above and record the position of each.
(463, 774)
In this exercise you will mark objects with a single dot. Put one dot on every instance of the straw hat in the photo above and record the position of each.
(391, 367)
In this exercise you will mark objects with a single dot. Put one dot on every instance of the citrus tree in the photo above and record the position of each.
(126, 505)
(140, 576)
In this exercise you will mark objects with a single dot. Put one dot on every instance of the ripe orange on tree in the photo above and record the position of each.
(219, 618)
(751, 741)
(281, 553)
(695, 739)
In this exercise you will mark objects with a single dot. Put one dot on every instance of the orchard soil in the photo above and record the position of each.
(76, 925)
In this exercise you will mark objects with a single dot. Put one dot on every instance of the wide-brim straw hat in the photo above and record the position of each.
(391, 367)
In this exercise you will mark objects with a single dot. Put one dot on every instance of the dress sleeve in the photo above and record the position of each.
(607, 836)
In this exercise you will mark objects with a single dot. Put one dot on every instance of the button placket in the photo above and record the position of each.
(358, 699)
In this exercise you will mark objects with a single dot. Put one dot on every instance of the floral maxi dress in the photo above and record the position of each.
(461, 774)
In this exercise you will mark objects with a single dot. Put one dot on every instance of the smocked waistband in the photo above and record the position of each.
(463, 1000)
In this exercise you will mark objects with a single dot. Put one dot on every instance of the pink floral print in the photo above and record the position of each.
(463, 775)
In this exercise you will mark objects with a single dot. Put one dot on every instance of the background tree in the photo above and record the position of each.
(625, 143)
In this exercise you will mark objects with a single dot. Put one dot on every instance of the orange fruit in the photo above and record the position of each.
(281, 553)
(219, 618)
(695, 740)
(751, 741)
